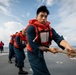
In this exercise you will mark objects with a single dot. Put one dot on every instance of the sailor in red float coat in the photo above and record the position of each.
(1, 46)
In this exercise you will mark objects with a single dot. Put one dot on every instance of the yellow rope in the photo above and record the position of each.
(59, 51)
(65, 52)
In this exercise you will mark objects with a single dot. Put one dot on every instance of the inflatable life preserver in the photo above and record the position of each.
(43, 33)
(22, 39)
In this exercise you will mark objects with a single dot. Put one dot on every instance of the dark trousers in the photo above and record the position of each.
(11, 51)
(1, 49)
(20, 55)
(38, 65)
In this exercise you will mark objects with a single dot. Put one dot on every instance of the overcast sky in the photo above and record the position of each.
(15, 14)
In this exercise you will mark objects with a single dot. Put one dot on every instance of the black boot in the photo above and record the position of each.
(16, 64)
(21, 71)
(10, 61)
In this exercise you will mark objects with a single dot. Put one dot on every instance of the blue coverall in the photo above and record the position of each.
(11, 49)
(36, 57)
(19, 52)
